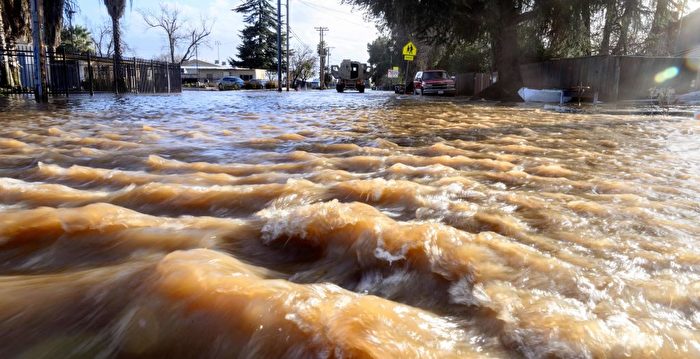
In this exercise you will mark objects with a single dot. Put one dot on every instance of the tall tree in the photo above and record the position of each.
(608, 27)
(16, 27)
(53, 21)
(664, 16)
(5, 78)
(259, 47)
(381, 55)
(115, 9)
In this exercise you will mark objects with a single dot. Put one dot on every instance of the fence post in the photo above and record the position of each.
(616, 78)
(153, 77)
(134, 80)
(167, 71)
(92, 91)
(65, 71)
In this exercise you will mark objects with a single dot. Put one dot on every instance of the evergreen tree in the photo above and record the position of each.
(259, 47)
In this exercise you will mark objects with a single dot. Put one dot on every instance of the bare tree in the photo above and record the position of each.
(196, 36)
(102, 40)
(302, 64)
(176, 31)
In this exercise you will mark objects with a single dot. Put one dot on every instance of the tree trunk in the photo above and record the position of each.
(610, 15)
(504, 41)
(171, 42)
(662, 18)
(586, 20)
(6, 79)
(622, 47)
(119, 83)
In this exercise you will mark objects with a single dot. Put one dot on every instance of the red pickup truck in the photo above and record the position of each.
(435, 82)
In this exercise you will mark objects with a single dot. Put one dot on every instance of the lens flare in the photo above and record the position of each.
(666, 74)
(693, 63)
(692, 59)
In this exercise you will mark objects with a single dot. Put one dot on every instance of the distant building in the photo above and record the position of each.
(202, 71)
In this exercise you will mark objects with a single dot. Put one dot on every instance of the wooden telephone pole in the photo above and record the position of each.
(288, 45)
(322, 57)
(40, 86)
(279, 45)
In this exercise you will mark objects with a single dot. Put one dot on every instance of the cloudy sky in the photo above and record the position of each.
(348, 33)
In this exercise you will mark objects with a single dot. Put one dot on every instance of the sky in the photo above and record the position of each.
(348, 35)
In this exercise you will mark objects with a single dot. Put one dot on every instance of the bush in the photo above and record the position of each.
(271, 85)
(252, 86)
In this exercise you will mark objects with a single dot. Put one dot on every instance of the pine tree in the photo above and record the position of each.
(259, 47)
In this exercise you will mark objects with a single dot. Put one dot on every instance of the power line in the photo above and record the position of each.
(325, 9)
(299, 40)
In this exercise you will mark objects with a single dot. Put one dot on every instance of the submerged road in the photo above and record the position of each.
(316, 224)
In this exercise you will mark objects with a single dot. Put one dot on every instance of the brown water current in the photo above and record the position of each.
(321, 225)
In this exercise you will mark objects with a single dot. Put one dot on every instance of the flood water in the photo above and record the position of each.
(321, 225)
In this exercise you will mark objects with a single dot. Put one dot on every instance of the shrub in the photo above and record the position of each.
(252, 86)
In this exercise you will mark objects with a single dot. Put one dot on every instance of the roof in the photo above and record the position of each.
(198, 63)
(203, 65)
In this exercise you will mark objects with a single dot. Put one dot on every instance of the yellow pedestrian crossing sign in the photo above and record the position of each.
(410, 49)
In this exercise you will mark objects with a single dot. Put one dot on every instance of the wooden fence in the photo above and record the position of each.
(472, 83)
(615, 78)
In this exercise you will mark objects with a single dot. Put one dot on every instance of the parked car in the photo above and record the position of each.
(433, 82)
(230, 82)
(258, 82)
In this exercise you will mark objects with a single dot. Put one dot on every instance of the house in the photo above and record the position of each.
(202, 71)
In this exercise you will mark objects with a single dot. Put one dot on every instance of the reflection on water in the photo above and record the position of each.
(258, 224)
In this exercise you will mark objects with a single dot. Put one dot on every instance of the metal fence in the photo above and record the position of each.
(85, 73)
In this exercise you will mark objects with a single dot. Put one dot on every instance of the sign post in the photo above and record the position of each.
(409, 52)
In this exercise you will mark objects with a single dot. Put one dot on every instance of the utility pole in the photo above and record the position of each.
(322, 57)
(328, 53)
(288, 45)
(196, 62)
(40, 90)
(218, 54)
(279, 45)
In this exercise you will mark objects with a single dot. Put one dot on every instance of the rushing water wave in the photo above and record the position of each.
(257, 224)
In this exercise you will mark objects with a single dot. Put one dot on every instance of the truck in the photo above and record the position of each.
(351, 75)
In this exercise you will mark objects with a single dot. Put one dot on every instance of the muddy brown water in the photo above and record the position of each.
(265, 225)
